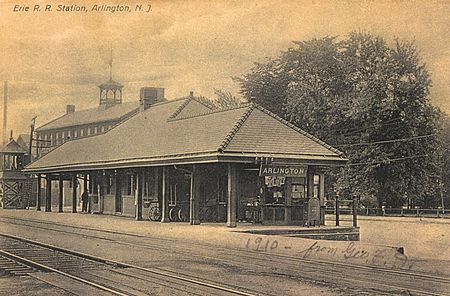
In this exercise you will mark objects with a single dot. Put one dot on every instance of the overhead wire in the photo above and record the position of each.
(386, 141)
(389, 160)
(354, 129)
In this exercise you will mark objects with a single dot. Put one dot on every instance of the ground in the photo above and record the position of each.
(215, 252)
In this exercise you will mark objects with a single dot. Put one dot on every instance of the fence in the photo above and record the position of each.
(405, 212)
(347, 207)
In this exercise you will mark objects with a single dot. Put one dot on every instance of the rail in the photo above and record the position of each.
(379, 278)
(29, 252)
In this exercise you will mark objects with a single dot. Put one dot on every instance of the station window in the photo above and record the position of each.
(298, 189)
(276, 191)
(149, 184)
(130, 185)
(93, 184)
(173, 194)
(108, 184)
(316, 186)
(222, 186)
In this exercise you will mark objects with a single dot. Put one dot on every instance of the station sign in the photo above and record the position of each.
(282, 170)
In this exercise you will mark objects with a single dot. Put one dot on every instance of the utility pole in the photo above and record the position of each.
(442, 195)
(5, 108)
(33, 122)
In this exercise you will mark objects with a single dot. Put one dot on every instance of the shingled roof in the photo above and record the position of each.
(12, 147)
(186, 131)
(116, 112)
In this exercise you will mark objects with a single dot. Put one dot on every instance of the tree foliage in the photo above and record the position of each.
(366, 98)
(223, 100)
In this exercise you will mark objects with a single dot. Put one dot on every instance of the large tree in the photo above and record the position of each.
(222, 100)
(368, 99)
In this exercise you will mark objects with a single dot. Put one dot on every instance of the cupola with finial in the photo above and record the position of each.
(110, 91)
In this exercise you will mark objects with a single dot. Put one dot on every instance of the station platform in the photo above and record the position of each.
(283, 240)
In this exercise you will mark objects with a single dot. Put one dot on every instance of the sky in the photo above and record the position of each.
(51, 59)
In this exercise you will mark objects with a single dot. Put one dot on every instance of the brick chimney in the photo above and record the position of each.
(70, 109)
(150, 96)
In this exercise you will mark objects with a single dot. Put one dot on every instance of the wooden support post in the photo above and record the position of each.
(288, 204)
(118, 193)
(61, 194)
(39, 192)
(165, 200)
(74, 193)
(309, 194)
(322, 188)
(87, 186)
(191, 199)
(337, 210)
(156, 188)
(355, 212)
(322, 196)
(48, 193)
(85, 183)
(310, 183)
(102, 184)
(194, 197)
(232, 196)
(139, 193)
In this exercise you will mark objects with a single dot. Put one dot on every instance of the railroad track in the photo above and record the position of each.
(110, 277)
(377, 280)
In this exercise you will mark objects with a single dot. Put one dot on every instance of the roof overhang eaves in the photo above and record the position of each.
(127, 163)
(112, 120)
(194, 158)
(288, 158)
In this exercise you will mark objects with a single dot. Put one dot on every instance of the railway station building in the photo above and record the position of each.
(180, 160)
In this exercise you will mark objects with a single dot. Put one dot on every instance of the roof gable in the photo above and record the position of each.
(190, 108)
(12, 147)
(264, 132)
(23, 140)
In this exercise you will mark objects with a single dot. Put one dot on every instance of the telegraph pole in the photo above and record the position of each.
(33, 122)
(5, 107)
